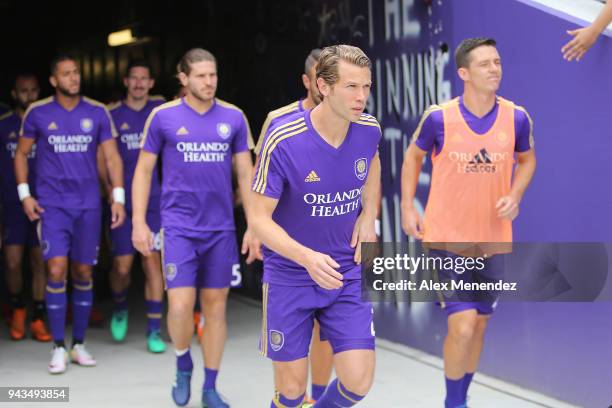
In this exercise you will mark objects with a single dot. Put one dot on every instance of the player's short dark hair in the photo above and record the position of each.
(192, 56)
(462, 53)
(60, 58)
(138, 63)
(311, 60)
(24, 75)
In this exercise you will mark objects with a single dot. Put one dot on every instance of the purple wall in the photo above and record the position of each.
(561, 349)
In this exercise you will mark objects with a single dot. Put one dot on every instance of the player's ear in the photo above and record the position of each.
(183, 78)
(463, 73)
(306, 81)
(151, 83)
(53, 81)
(323, 86)
(125, 82)
(13, 94)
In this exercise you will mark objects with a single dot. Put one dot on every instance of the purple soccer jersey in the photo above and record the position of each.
(429, 134)
(196, 151)
(67, 141)
(130, 125)
(275, 117)
(318, 188)
(16, 228)
(9, 135)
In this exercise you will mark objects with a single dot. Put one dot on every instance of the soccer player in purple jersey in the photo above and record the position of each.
(316, 196)
(311, 100)
(321, 354)
(17, 231)
(67, 129)
(129, 117)
(198, 137)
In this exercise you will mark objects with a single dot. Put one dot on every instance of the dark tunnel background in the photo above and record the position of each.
(260, 47)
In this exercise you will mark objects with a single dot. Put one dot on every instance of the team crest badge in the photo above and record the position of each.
(501, 138)
(223, 130)
(277, 340)
(86, 125)
(12, 135)
(170, 271)
(361, 168)
(45, 246)
(157, 241)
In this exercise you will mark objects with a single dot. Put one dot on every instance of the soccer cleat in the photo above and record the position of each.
(59, 360)
(155, 344)
(211, 399)
(17, 329)
(79, 355)
(39, 331)
(181, 389)
(119, 325)
(308, 402)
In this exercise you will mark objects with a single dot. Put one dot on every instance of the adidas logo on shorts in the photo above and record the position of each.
(312, 177)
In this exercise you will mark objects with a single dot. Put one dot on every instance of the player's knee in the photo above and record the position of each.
(121, 271)
(214, 305)
(464, 330)
(292, 387)
(82, 275)
(358, 381)
(57, 273)
(81, 271)
(180, 307)
(13, 264)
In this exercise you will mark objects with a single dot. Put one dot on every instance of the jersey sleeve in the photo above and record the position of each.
(28, 125)
(107, 127)
(270, 176)
(243, 140)
(523, 126)
(267, 125)
(425, 134)
(153, 139)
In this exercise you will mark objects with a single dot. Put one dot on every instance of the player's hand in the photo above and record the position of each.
(142, 238)
(32, 208)
(251, 245)
(322, 270)
(584, 38)
(412, 222)
(117, 215)
(363, 231)
(507, 207)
